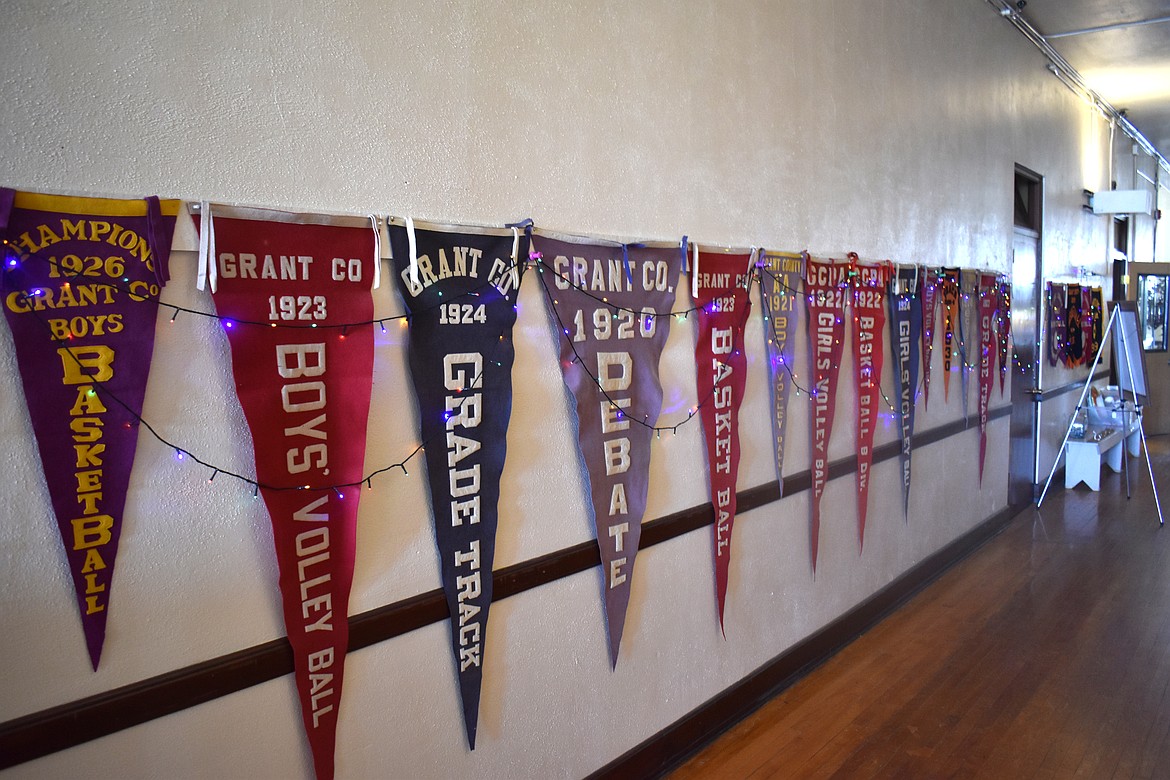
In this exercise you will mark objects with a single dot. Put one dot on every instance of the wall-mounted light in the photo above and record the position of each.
(1122, 202)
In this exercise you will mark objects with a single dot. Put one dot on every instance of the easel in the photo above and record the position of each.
(1127, 356)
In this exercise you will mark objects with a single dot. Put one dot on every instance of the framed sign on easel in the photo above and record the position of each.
(1131, 379)
(1127, 349)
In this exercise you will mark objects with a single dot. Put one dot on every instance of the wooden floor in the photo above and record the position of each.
(1045, 654)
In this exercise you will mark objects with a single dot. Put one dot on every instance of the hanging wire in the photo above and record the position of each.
(564, 334)
(12, 261)
(184, 454)
(176, 309)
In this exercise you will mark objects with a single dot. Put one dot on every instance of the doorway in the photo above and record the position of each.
(1149, 288)
(1023, 455)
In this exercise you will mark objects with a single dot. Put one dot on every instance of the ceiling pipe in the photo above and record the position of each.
(1069, 76)
(1108, 27)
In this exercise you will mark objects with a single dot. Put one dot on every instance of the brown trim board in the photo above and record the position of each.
(58, 728)
(1048, 395)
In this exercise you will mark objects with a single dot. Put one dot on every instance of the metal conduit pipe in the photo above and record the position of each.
(1109, 27)
(1072, 79)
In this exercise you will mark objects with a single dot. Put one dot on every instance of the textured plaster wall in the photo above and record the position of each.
(890, 129)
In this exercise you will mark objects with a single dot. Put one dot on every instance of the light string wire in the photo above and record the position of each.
(14, 259)
(176, 309)
(563, 332)
(184, 454)
(537, 257)
(787, 362)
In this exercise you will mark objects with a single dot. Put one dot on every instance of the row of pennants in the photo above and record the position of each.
(82, 285)
(1075, 320)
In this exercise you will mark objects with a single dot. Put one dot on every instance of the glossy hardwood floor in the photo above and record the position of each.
(1045, 654)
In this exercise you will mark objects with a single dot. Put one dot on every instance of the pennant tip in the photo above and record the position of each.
(95, 652)
(614, 646)
(323, 770)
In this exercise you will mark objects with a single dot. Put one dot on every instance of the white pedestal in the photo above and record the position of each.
(1105, 441)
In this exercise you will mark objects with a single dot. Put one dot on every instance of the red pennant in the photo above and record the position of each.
(722, 370)
(1096, 321)
(869, 318)
(305, 392)
(827, 289)
(930, 295)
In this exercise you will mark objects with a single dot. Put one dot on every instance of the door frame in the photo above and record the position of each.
(1027, 290)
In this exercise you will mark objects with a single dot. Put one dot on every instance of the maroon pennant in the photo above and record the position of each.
(869, 319)
(988, 299)
(293, 292)
(1095, 321)
(827, 288)
(722, 297)
(930, 295)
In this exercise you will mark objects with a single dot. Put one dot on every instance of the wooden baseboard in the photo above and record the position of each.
(676, 743)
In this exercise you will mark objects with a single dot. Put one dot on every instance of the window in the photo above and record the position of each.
(1151, 301)
(1027, 211)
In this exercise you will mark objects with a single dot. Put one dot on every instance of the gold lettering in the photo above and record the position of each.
(99, 359)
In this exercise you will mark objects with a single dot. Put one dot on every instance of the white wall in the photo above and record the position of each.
(890, 129)
(1133, 169)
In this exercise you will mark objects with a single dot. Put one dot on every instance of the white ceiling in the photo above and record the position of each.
(1128, 66)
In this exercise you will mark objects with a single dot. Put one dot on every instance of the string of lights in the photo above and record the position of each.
(786, 363)
(181, 453)
(538, 259)
(12, 261)
(565, 334)
(28, 298)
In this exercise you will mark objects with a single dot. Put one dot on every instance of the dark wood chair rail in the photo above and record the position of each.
(58, 728)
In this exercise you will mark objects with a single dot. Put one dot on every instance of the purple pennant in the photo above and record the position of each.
(1074, 334)
(603, 302)
(905, 330)
(82, 278)
(1096, 323)
(780, 279)
(1056, 331)
(968, 334)
(987, 299)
